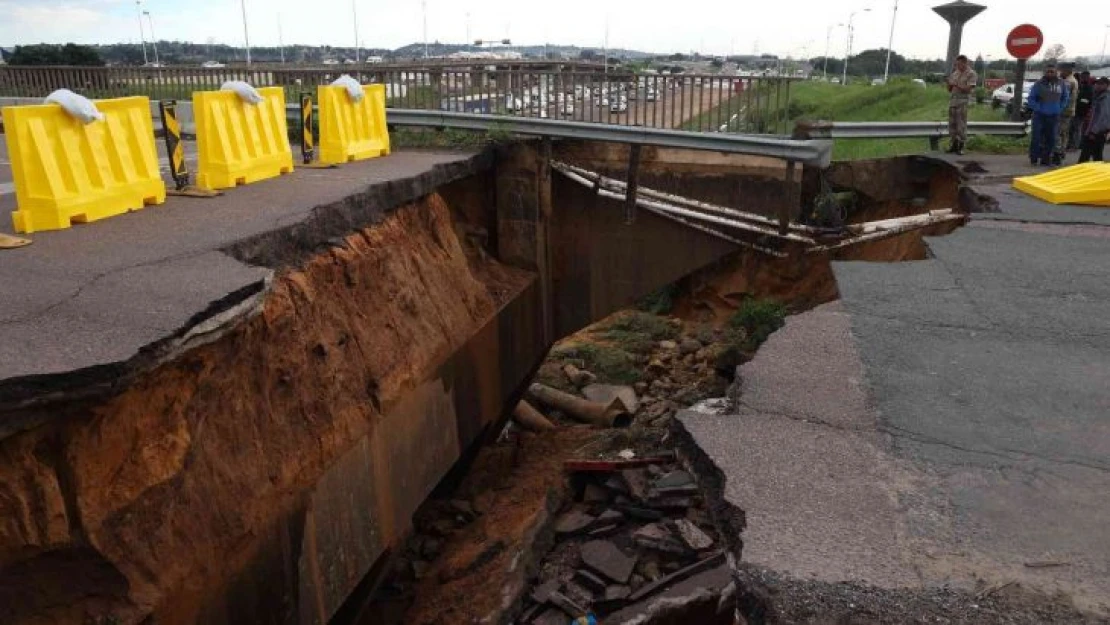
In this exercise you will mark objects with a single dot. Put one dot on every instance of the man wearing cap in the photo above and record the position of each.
(961, 82)
(1094, 134)
(1066, 115)
(1047, 99)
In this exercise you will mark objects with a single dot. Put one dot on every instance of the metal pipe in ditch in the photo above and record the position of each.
(613, 414)
(531, 419)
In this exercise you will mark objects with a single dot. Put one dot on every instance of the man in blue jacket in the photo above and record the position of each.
(1048, 99)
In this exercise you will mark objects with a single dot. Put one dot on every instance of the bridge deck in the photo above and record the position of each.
(94, 296)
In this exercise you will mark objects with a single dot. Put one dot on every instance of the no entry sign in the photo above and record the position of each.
(1024, 41)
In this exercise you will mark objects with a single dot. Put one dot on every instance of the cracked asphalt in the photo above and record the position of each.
(94, 297)
(946, 423)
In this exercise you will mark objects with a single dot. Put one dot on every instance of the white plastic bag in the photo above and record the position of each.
(245, 92)
(353, 88)
(76, 105)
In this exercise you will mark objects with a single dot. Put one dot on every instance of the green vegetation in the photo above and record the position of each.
(52, 54)
(660, 301)
(448, 138)
(635, 331)
(609, 363)
(899, 101)
(754, 322)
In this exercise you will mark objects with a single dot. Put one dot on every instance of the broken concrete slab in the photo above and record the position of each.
(656, 536)
(606, 393)
(693, 535)
(605, 558)
(637, 482)
(674, 479)
(589, 581)
(573, 522)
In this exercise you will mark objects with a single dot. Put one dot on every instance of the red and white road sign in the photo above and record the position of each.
(1024, 41)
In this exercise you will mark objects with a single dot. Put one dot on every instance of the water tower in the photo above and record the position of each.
(957, 14)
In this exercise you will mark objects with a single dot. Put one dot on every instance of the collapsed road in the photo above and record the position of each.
(236, 410)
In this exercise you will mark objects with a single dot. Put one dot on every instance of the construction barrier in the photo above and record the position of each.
(69, 172)
(1088, 183)
(239, 143)
(349, 130)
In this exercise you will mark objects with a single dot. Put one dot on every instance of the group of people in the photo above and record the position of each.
(1069, 112)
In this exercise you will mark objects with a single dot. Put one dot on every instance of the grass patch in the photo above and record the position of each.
(660, 301)
(609, 363)
(898, 101)
(448, 138)
(635, 331)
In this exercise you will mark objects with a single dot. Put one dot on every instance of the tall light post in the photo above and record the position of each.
(848, 48)
(246, 35)
(281, 40)
(1102, 57)
(153, 40)
(424, 7)
(828, 40)
(354, 23)
(890, 42)
(142, 36)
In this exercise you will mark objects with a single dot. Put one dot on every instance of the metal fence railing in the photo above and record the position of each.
(697, 102)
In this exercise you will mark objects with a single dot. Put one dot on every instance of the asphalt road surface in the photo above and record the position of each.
(946, 422)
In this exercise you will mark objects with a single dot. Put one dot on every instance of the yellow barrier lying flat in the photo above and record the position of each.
(240, 143)
(349, 130)
(1088, 183)
(68, 172)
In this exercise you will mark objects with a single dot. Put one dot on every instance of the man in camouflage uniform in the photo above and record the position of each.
(961, 83)
(1066, 116)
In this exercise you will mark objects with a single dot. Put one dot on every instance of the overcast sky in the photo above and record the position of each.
(784, 27)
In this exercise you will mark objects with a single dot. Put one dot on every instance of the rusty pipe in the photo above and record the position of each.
(613, 414)
(530, 419)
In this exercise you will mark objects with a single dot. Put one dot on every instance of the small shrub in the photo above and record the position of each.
(654, 326)
(660, 301)
(758, 318)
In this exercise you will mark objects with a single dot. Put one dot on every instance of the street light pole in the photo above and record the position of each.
(890, 43)
(281, 40)
(354, 22)
(848, 51)
(142, 36)
(828, 40)
(246, 35)
(1102, 57)
(424, 6)
(153, 40)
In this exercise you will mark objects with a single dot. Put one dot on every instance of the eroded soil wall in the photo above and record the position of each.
(258, 478)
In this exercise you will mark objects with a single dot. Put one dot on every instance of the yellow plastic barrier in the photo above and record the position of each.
(1088, 183)
(352, 131)
(68, 172)
(240, 143)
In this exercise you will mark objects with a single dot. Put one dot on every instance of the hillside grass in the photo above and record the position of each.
(898, 101)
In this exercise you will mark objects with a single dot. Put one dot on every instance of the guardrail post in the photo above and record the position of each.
(787, 209)
(175, 152)
(934, 143)
(308, 144)
(633, 179)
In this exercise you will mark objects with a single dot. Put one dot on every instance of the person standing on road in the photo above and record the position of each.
(1047, 99)
(1094, 134)
(961, 82)
(1082, 108)
(1067, 115)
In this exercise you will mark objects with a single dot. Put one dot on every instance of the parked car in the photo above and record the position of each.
(1004, 95)
(618, 106)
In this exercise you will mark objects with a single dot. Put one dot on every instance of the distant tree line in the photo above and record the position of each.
(48, 54)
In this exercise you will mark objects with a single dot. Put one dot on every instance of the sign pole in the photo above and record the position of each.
(1019, 90)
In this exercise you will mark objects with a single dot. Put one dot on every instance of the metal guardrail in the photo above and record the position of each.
(809, 152)
(902, 130)
(616, 96)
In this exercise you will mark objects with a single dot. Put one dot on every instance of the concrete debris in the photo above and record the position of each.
(541, 593)
(693, 535)
(578, 377)
(566, 604)
(637, 483)
(668, 345)
(589, 581)
(604, 558)
(573, 522)
(610, 516)
(657, 537)
(656, 367)
(616, 484)
(613, 414)
(713, 561)
(606, 393)
(674, 479)
(627, 454)
(638, 512)
(551, 616)
(617, 593)
(689, 346)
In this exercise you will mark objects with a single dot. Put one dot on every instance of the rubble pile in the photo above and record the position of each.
(637, 527)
